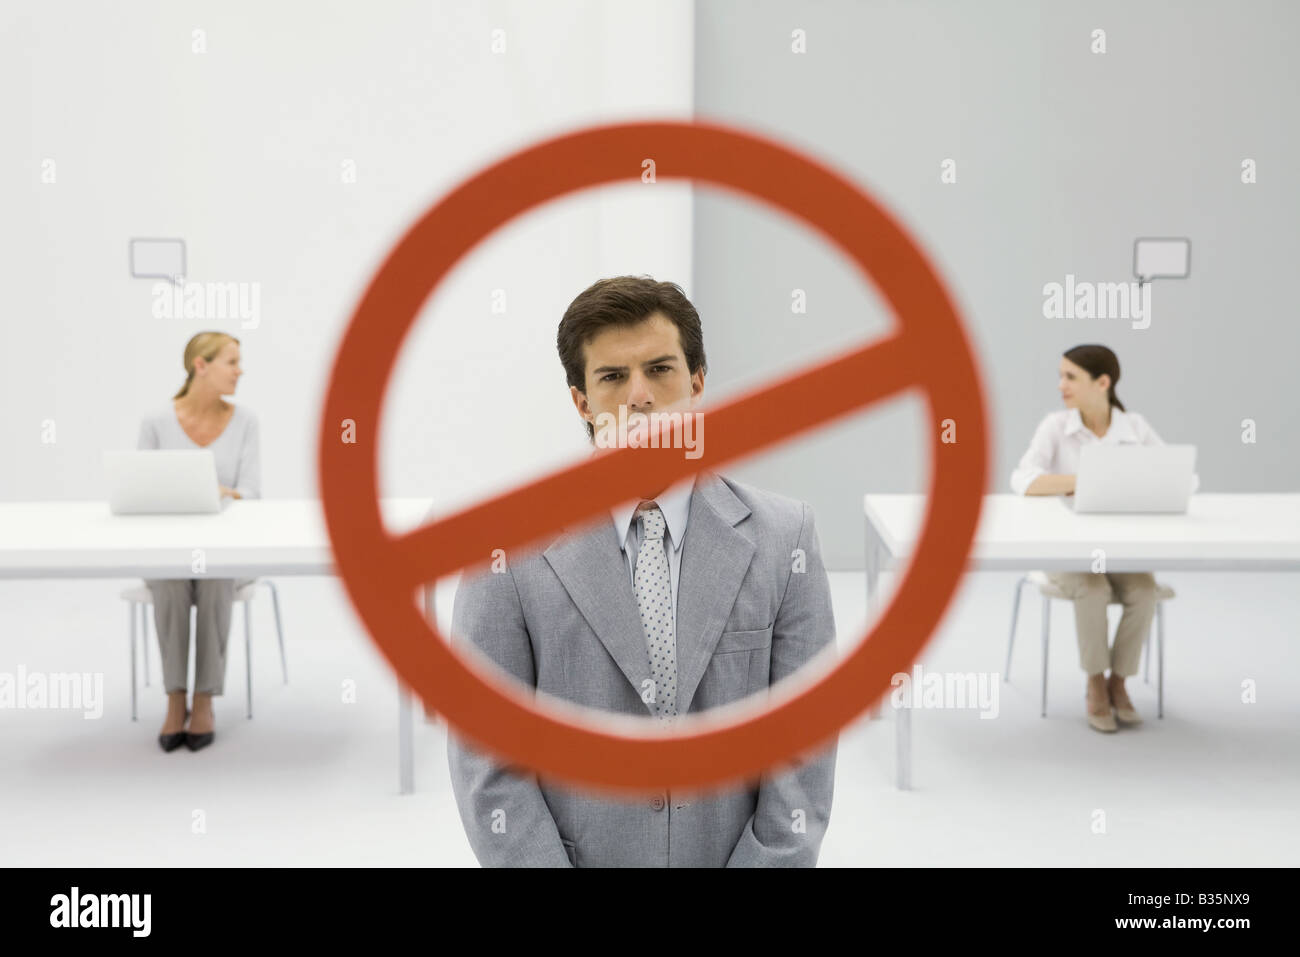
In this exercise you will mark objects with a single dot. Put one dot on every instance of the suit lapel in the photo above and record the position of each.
(593, 570)
(715, 558)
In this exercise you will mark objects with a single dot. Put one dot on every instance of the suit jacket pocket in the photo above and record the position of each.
(732, 641)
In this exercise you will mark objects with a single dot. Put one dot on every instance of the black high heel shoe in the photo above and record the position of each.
(196, 742)
(170, 742)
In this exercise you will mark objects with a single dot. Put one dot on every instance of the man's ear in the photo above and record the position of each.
(580, 402)
(697, 382)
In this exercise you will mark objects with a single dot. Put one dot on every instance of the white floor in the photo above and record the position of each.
(313, 780)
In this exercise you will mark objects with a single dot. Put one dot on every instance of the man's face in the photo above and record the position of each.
(642, 367)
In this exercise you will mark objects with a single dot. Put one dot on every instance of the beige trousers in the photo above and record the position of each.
(172, 598)
(1091, 592)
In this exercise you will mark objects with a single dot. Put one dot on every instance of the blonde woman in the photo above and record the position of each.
(198, 417)
(1094, 414)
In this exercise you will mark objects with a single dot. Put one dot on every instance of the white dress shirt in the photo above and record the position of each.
(675, 503)
(1061, 436)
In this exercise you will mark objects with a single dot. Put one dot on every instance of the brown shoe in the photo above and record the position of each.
(1127, 715)
(1100, 720)
(1124, 709)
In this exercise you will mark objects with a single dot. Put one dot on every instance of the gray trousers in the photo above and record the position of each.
(213, 597)
(1091, 592)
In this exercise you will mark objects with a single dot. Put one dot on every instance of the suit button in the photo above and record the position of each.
(657, 802)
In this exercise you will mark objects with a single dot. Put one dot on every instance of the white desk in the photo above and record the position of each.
(250, 538)
(1247, 532)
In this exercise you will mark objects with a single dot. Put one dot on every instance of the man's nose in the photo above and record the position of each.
(639, 394)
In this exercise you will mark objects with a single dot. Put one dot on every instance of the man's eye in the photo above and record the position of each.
(609, 375)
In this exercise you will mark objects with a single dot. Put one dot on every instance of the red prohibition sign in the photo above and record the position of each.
(383, 572)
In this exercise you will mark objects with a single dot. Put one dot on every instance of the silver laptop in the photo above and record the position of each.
(1134, 478)
(162, 481)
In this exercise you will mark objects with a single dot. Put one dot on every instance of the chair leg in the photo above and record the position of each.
(131, 609)
(1160, 659)
(144, 639)
(1146, 655)
(1047, 630)
(248, 656)
(279, 629)
(1011, 639)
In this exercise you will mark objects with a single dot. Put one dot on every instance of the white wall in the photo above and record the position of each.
(240, 149)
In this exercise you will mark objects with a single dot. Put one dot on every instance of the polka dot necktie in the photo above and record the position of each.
(654, 599)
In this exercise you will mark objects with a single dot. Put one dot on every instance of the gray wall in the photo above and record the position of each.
(1064, 157)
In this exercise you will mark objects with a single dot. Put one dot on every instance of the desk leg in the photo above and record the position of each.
(903, 743)
(431, 616)
(131, 608)
(873, 565)
(1160, 651)
(873, 585)
(405, 757)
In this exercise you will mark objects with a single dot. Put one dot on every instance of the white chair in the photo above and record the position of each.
(139, 596)
(1049, 590)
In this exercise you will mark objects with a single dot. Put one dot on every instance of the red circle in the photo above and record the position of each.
(382, 572)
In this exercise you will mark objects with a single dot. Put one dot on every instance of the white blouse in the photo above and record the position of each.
(1061, 436)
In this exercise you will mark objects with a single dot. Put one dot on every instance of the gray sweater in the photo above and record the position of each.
(236, 449)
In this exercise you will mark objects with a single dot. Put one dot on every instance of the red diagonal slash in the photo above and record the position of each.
(617, 752)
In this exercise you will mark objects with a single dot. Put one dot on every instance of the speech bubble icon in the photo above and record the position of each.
(158, 259)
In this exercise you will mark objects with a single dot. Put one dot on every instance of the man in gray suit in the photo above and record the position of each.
(704, 593)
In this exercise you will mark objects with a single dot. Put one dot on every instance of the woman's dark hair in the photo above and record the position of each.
(1097, 360)
(625, 301)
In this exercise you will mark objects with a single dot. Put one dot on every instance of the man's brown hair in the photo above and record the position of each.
(625, 301)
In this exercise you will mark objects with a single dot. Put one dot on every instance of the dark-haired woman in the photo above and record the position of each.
(1094, 414)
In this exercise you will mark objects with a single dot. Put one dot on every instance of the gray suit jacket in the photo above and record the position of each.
(565, 621)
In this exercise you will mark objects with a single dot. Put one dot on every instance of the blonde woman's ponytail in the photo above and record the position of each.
(205, 344)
